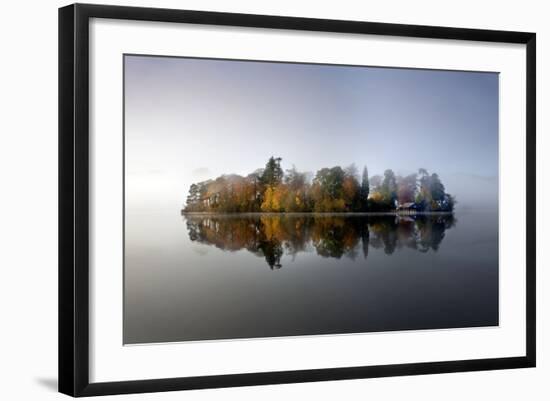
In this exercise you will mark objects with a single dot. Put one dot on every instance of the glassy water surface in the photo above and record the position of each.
(206, 277)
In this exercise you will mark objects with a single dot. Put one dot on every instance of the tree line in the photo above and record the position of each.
(334, 189)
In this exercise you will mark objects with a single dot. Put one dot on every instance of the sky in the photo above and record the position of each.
(188, 120)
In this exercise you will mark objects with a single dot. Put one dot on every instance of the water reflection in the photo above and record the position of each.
(330, 236)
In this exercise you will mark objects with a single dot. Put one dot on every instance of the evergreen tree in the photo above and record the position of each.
(273, 173)
(193, 198)
(365, 188)
(389, 186)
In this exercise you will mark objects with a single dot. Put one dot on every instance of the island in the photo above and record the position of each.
(330, 190)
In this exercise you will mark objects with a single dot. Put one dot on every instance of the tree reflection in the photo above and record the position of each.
(330, 236)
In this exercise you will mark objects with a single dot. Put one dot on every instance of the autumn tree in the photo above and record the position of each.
(273, 199)
(296, 197)
(269, 203)
(383, 195)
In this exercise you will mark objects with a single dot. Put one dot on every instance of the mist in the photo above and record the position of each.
(188, 120)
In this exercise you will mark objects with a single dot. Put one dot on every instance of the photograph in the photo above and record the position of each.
(279, 196)
(268, 199)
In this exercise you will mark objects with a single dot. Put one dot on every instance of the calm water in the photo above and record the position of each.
(241, 276)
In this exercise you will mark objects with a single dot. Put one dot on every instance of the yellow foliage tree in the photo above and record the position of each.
(273, 199)
(377, 196)
(267, 204)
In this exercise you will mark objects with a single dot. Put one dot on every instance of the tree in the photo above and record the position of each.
(327, 190)
(448, 203)
(268, 202)
(331, 180)
(389, 186)
(375, 183)
(424, 195)
(273, 199)
(350, 192)
(351, 188)
(365, 189)
(351, 171)
(437, 188)
(294, 179)
(273, 173)
(406, 189)
(383, 195)
(297, 191)
(193, 198)
(257, 189)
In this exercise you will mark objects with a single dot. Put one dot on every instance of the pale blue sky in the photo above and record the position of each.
(191, 119)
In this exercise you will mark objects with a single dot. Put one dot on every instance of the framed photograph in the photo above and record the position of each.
(250, 199)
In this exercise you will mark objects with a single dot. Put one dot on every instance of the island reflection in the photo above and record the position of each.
(330, 236)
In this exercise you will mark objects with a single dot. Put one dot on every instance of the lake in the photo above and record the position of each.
(208, 277)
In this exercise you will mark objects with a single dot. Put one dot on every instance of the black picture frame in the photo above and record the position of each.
(74, 191)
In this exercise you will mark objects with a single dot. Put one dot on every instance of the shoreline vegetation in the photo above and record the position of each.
(320, 214)
(335, 190)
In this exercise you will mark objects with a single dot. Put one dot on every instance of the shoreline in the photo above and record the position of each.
(395, 213)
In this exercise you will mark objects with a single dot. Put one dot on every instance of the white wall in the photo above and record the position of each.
(28, 200)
